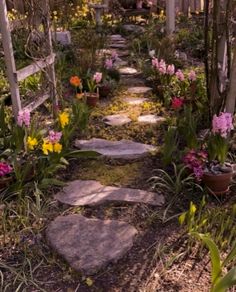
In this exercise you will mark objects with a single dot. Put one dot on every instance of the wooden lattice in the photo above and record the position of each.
(38, 22)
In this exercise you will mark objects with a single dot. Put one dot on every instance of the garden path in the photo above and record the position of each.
(89, 244)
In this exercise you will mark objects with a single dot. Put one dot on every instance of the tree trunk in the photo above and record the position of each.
(231, 98)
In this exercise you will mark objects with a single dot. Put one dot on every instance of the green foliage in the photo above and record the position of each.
(187, 127)
(170, 145)
(220, 282)
(217, 221)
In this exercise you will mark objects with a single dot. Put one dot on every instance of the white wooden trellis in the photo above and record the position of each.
(15, 76)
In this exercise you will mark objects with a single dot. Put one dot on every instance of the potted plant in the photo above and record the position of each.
(218, 174)
(92, 96)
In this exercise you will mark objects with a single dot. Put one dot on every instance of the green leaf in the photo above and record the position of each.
(231, 256)
(182, 218)
(51, 182)
(226, 282)
(215, 255)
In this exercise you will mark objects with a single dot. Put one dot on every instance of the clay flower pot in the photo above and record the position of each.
(92, 99)
(218, 184)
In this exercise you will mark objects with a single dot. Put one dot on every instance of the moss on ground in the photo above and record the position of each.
(119, 175)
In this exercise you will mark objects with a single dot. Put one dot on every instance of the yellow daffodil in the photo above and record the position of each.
(32, 143)
(64, 119)
(57, 147)
(47, 147)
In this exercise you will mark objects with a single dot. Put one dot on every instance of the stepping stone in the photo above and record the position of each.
(128, 71)
(120, 63)
(90, 244)
(118, 46)
(140, 90)
(133, 28)
(123, 149)
(151, 119)
(116, 120)
(135, 101)
(117, 37)
(91, 193)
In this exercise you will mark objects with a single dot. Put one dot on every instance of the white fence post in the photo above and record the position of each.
(170, 16)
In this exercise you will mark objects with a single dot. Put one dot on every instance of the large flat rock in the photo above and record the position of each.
(151, 119)
(140, 90)
(128, 71)
(91, 192)
(89, 244)
(117, 120)
(123, 149)
(118, 45)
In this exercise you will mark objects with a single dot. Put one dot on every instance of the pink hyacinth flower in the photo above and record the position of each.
(192, 75)
(23, 118)
(170, 69)
(180, 75)
(155, 63)
(97, 77)
(162, 67)
(54, 137)
(222, 124)
(108, 64)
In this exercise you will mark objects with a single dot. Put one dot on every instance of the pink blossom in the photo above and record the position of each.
(4, 169)
(54, 137)
(155, 63)
(97, 77)
(180, 75)
(222, 124)
(177, 103)
(23, 118)
(108, 64)
(192, 75)
(162, 67)
(170, 69)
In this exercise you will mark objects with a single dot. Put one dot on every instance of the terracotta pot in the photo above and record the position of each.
(217, 184)
(5, 181)
(92, 99)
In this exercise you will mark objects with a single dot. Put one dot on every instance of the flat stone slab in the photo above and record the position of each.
(122, 53)
(117, 120)
(151, 119)
(118, 46)
(132, 81)
(123, 149)
(120, 63)
(91, 192)
(90, 244)
(140, 90)
(135, 101)
(128, 71)
(117, 37)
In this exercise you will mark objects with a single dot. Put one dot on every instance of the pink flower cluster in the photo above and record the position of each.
(177, 103)
(180, 75)
(192, 76)
(23, 118)
(195, 161)
(97, 77)
(222, 124)
(162, 67)
(4, 169)
(108, 64)
(54, 137)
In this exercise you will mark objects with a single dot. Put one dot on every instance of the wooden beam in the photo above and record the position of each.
(9, 58)
(40, 99)
(35, 67)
